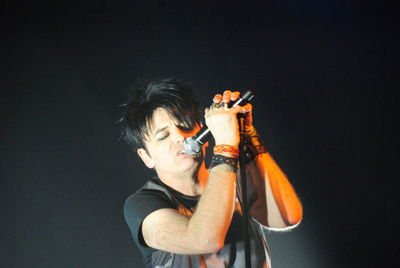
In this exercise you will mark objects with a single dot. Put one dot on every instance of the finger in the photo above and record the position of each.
(235, 95)
(216, 105)
(217, 98)
(236, 109)
(227, 96)
(246, 108)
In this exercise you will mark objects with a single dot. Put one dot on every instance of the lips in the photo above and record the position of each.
(181, 152)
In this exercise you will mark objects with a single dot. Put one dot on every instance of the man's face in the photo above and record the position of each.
(164, 145)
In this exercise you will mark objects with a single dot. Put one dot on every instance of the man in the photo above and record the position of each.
(190, 216)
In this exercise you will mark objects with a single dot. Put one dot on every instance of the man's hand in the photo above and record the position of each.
(222, 121)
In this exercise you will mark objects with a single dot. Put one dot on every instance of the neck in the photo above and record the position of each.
(191, 185)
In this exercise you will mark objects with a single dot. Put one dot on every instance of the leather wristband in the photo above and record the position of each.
(252, 145)
(220, 159)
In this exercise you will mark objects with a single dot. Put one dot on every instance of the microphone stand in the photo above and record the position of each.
(244, 203)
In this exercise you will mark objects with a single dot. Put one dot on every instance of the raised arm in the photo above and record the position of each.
(205, 230)
(277, 205)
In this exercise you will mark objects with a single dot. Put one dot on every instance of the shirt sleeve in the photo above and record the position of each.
(138, 206)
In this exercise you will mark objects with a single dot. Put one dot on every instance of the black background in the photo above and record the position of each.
(324, 77)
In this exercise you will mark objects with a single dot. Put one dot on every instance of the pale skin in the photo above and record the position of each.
(205, 230)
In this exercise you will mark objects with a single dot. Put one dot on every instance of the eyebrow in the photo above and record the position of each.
(159, 130)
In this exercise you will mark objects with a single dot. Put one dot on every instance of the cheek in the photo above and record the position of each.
(162, 153)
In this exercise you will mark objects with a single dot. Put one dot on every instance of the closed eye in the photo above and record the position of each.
(163, 137)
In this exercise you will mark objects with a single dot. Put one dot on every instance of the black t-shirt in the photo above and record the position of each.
(155, 195)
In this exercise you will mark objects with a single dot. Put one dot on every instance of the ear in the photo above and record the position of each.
(144, 155)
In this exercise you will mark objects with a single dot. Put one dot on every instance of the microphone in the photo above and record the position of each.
(193, 144)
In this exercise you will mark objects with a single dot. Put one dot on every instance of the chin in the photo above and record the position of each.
(189, 165)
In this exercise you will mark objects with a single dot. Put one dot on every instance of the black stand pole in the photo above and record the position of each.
(245, 209)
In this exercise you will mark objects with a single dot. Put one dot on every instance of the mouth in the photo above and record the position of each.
(181, 152)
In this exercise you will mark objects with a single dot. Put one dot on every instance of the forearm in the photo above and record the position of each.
(204, 231)
(210, 222)
(281, 200)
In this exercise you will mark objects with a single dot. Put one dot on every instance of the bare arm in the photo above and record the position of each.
(203, 232)
(278, 205)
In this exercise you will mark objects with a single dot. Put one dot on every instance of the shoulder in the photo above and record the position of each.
(149, 194)
(147, 199)
(142, 203)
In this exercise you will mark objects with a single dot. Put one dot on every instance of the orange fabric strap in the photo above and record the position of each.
(227, 149)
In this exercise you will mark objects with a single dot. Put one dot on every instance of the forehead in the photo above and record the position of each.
(160, 118)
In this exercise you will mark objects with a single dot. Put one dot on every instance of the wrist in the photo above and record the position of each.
(250, 131)
(230, 143)
(253, 145)
(217, 159)
(226, 150)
